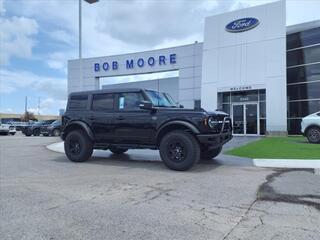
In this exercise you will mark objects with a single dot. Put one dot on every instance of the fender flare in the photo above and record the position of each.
(189, 125)
(83, 125)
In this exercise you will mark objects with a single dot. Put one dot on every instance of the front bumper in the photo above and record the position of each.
(215, 140)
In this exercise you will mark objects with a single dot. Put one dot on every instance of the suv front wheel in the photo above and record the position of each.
(179, 150)
(78, 146)
(313, 135)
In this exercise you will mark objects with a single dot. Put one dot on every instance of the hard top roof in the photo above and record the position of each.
(116, 90)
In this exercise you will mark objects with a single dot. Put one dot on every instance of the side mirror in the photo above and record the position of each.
(147, 105)
(181, 106)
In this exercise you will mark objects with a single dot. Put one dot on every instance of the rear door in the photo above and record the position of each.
(132, 124)
(102, 117)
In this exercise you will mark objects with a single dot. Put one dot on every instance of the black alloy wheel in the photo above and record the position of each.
(176, 150)
(179, 150)
(78, 146)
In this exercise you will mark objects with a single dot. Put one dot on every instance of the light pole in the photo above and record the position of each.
(80, 36)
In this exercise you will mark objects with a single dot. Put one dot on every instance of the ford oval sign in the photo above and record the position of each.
(242, 25)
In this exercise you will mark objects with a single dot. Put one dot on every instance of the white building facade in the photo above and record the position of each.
(241, 67)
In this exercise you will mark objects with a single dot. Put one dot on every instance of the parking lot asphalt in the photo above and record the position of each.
(45, 196)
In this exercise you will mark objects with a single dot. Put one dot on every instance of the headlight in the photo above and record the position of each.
(212, 123)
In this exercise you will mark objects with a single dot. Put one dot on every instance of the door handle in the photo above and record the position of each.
(120, 118)
(92, 118)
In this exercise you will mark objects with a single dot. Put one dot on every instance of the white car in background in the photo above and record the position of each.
(6, 128)
(310, 127)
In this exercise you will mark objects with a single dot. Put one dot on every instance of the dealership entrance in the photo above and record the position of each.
(245, 118)
(247, 110)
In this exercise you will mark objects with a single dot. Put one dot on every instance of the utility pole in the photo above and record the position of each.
(38, 105)
(80, 43)
(80, 38)
(26, 104)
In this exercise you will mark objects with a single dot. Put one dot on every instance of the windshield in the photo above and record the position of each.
(56, 122)
(159, 99)
(38, 123)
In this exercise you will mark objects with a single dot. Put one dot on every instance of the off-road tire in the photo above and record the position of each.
(36, 132)
(210, 154)
(78, 146)
(179, 150)
(313, 134)
(27, 132)
(117, 150)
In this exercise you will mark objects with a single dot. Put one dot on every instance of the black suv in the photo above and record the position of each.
(53, 129)
(35, 128)
(122, 119)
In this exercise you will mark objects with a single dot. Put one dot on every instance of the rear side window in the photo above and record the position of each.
(78, 102)
(103, 102)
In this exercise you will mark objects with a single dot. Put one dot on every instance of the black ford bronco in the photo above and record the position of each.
(122, 119)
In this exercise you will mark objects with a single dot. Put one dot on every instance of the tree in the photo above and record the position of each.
(27, 116)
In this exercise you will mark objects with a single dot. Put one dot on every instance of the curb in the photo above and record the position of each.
(287, 163)
(56, 147)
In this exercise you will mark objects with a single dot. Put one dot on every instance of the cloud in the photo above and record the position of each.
(2, 8)
(17, 38)
(59, 60)
(149, 23)
(22, 80)
(47, 105)
(115, 27)
(63, 36)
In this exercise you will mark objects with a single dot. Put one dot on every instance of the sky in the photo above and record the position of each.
(38, 37)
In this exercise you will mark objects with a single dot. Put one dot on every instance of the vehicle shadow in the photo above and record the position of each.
(132, 161)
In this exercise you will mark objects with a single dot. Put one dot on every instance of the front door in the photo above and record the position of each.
(132, 124)
(245, 118)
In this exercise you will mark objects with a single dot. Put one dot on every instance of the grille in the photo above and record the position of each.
(227, 123)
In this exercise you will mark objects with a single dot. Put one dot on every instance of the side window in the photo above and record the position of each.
(103, 102)
(78, 102)
(130, 101)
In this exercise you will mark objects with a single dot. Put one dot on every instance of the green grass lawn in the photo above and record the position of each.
(278, 147)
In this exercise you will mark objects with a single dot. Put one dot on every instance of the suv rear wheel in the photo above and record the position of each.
(179, 150)
(78, 146)
(313, 135)
(117, 150)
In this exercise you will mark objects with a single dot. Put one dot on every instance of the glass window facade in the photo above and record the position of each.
(303, 76)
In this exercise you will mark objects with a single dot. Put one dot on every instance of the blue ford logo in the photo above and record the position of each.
(242, 24)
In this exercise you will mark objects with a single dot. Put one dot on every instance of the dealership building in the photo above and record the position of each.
(265, 74)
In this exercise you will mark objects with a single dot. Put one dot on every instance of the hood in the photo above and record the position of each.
(192, 110)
